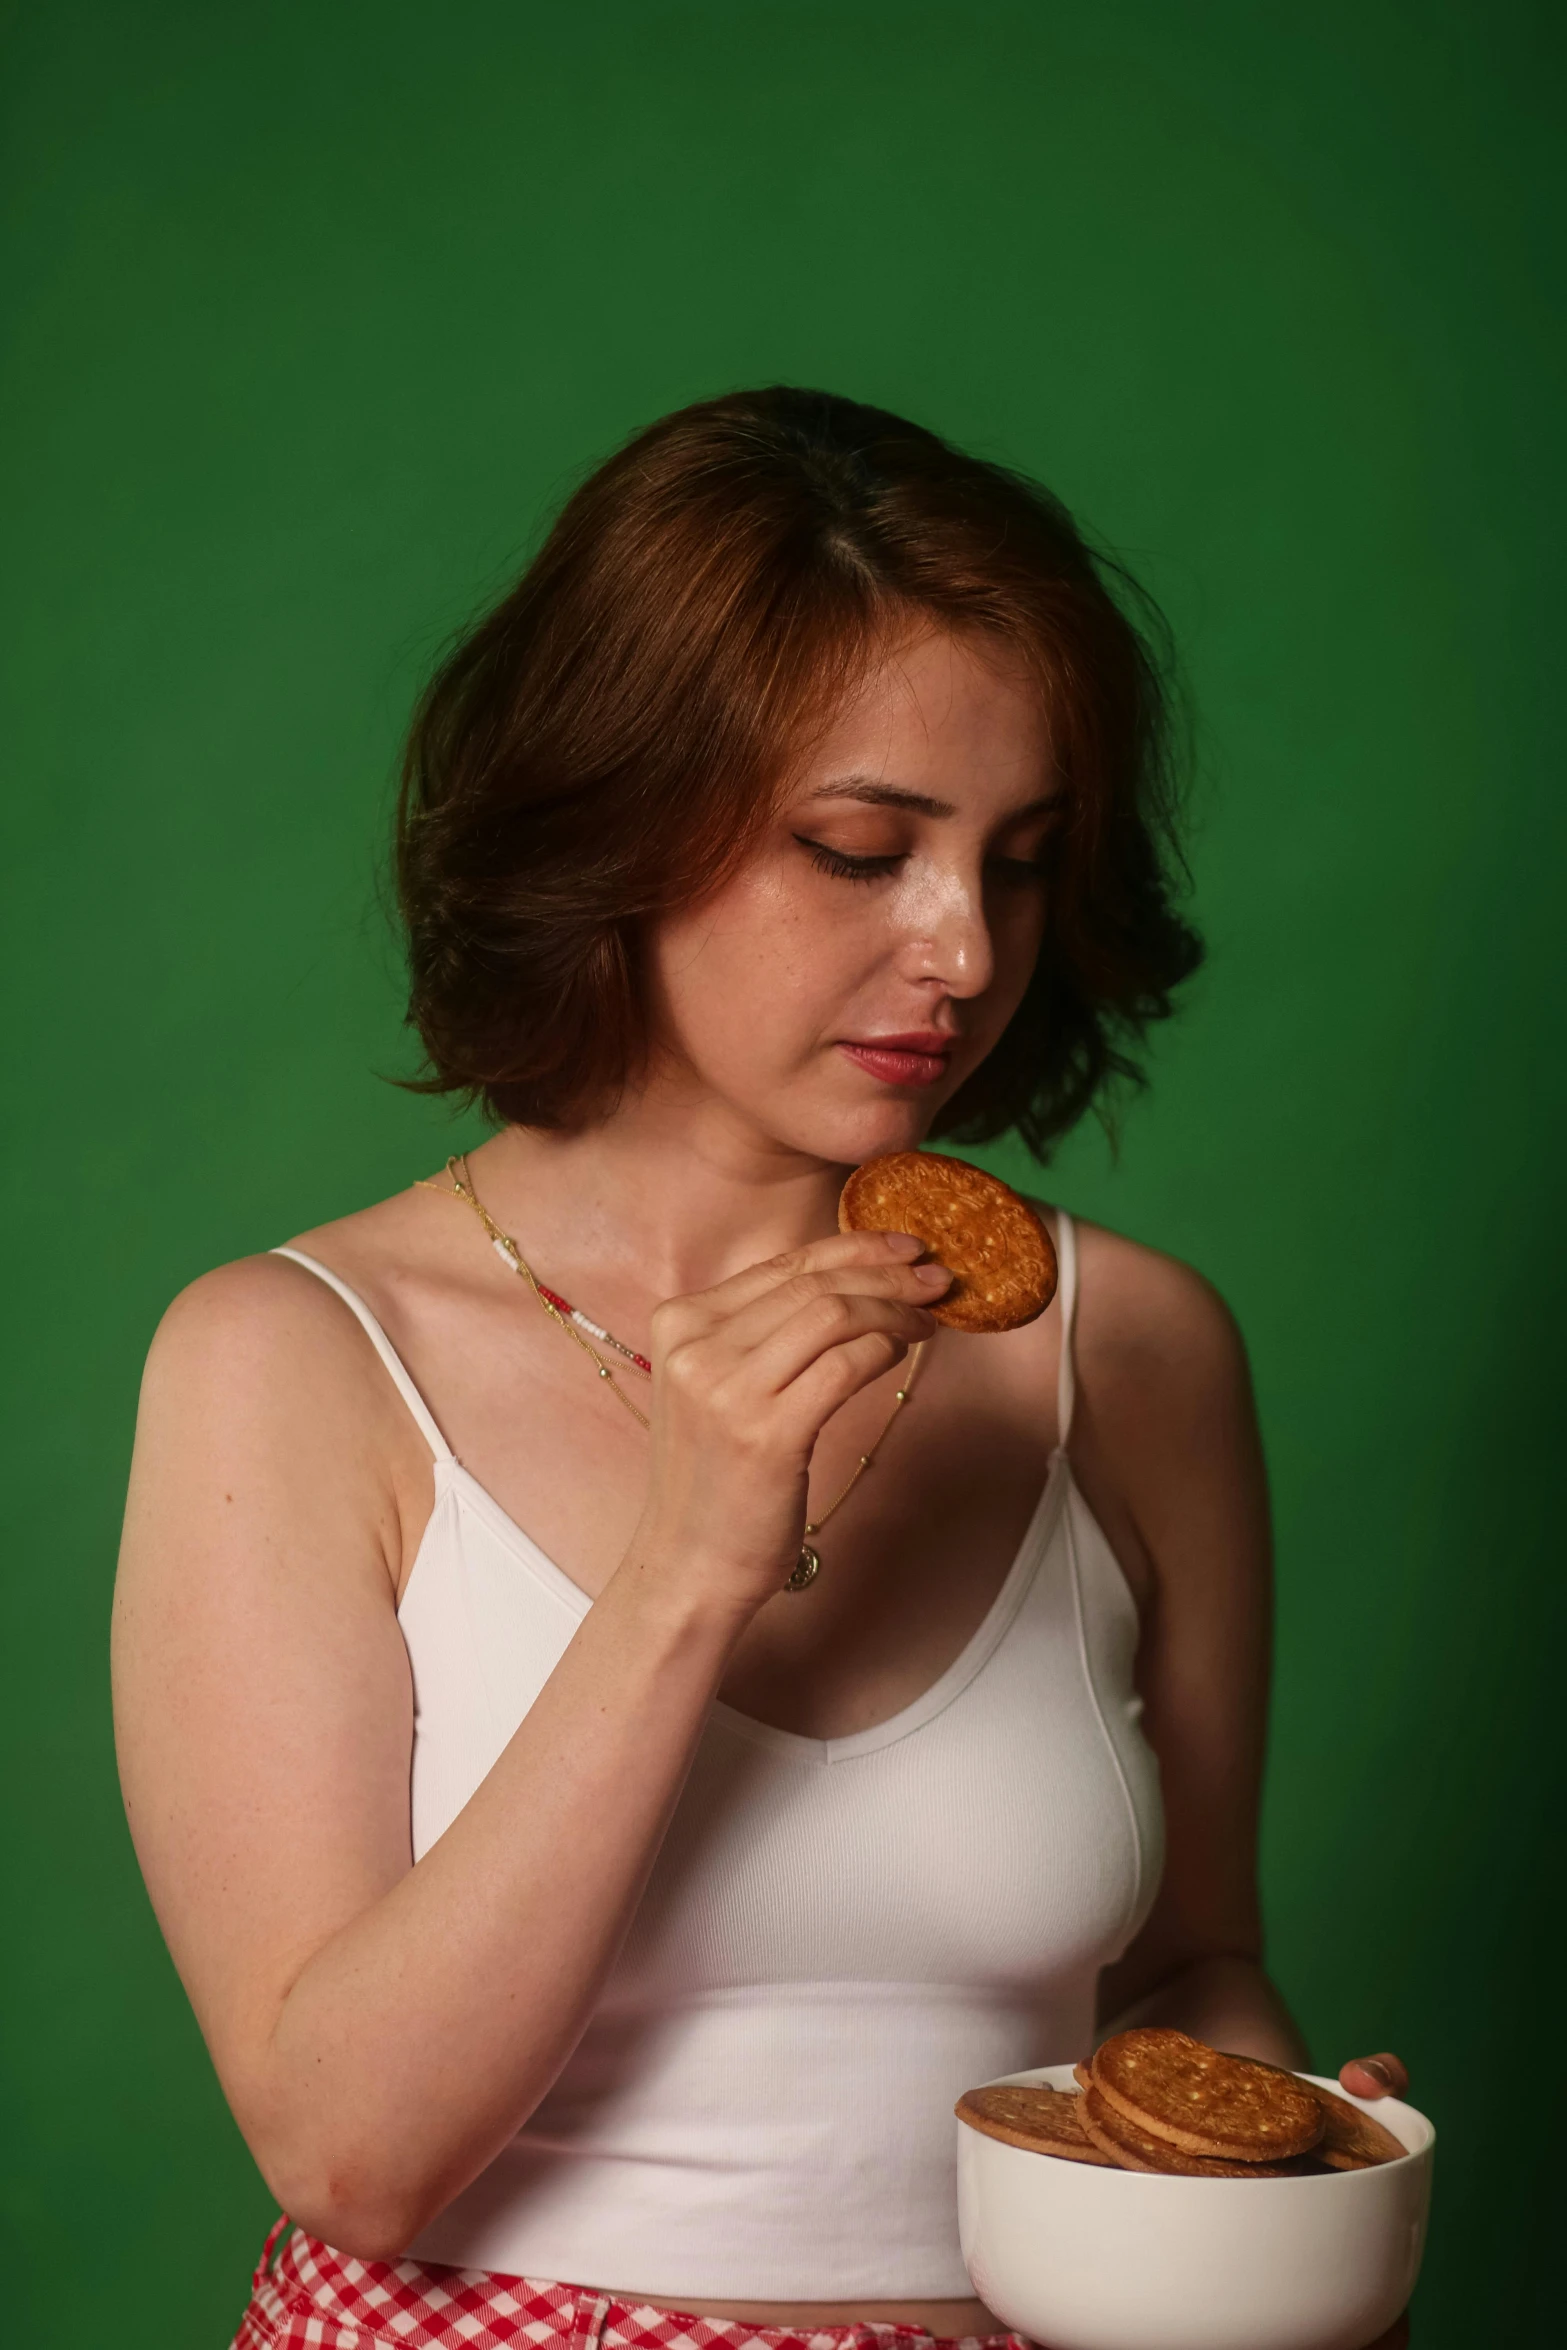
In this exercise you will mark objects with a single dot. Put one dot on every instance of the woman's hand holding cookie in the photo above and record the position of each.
(745, 1375)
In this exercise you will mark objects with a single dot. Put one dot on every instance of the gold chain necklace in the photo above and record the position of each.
(808, 1565)
(462, 1188)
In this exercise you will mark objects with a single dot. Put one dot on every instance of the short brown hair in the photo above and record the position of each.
(603, 746)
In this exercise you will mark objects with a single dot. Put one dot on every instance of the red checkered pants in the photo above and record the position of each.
(318, 2299)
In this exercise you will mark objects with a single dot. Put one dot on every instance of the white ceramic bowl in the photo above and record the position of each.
(1087, 2259)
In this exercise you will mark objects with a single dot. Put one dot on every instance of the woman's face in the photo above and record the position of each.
(866, 957)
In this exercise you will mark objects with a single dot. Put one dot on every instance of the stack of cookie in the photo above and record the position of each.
(1161, 2101)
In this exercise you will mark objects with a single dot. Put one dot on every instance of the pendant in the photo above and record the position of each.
(806, 1569)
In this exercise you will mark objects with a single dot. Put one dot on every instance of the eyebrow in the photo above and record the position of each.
(871, 794)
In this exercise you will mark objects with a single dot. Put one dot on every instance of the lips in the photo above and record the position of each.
(919, 1059)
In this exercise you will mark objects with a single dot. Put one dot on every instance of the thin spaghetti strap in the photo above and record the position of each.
(424, 1418)
(1066, 1375)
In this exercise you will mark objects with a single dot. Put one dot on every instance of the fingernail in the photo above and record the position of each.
(935, 1275)
(902, 1244)
(1378, 2071)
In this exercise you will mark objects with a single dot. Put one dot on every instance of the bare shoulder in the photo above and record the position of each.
(271, 1483)
(405, 1228)
(1165, 1439)
(1165, 1434)
(261, 1379)
(1148, 1322)
(265, 1316)
(258, 1322)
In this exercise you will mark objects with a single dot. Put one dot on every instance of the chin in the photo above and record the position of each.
(847, 1134)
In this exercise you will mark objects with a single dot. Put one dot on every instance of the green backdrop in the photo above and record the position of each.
(315, 312)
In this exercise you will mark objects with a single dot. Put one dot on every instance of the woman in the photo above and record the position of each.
(585, 1905)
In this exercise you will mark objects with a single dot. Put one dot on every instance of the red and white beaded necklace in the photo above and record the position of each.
(571, 1319)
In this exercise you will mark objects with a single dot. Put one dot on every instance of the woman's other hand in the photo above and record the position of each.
(1385, 2075)
(1375, 2076)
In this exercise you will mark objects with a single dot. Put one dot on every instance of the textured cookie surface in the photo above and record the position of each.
(1353, 2140)
(1130, 2147)
(1043, 2120)
(1223, 2107)
(999, 1254)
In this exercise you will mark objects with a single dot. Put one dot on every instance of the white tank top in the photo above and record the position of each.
(839, 1935)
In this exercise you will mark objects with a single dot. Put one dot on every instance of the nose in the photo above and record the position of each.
(950, 936)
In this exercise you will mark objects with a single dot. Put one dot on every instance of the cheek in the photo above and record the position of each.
(1020, 929)
(757, 964)
(1017, 932)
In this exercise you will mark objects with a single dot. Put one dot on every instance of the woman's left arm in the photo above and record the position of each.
(1167, 1449)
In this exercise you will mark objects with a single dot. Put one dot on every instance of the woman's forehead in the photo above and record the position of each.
(925, 724)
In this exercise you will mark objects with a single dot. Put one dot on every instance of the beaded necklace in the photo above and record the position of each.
(574, 1324)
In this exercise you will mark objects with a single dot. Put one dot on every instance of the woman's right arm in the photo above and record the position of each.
(382, 2028)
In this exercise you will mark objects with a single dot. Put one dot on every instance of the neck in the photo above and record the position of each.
(666, 1196)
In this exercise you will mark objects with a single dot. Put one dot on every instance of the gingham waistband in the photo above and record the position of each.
(316, 2298)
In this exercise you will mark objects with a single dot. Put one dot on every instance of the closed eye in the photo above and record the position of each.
(844, 866)
(1016, 872)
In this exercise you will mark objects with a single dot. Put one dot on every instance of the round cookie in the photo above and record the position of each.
(1039, 2119)
(1133, 2148)
(997, 1250)
(1190, 2095)
(1353, 2140)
